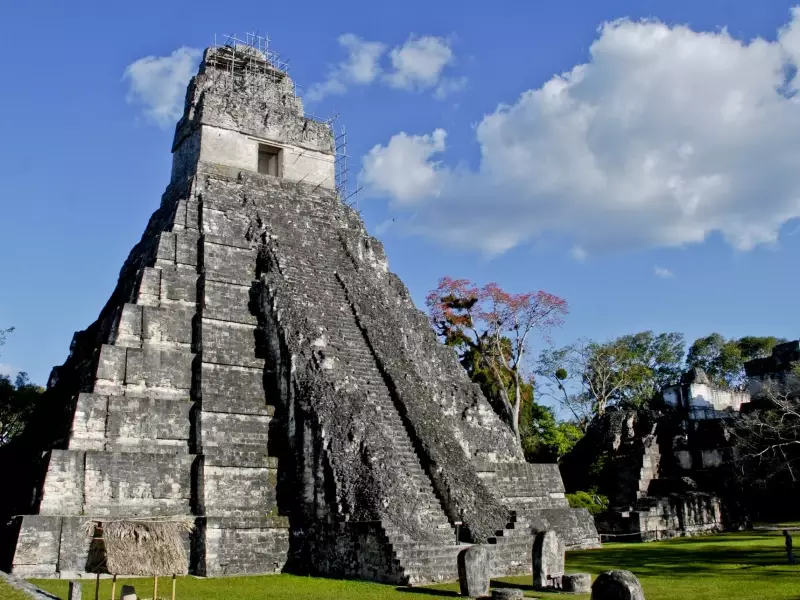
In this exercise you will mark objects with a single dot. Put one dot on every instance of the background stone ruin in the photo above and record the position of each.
(666, 477)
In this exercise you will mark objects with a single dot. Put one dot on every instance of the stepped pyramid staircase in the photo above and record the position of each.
(259, 369)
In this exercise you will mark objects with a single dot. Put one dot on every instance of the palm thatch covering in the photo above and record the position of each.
(140, 547)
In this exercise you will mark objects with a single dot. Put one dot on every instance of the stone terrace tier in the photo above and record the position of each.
(260, 369)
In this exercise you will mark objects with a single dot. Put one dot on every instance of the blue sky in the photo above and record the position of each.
(657, 186)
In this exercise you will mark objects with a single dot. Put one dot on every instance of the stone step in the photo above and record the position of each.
(427, 554)
(347, 344)
(427, 561)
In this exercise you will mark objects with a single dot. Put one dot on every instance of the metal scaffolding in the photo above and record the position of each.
(251, 64)
(347, 195)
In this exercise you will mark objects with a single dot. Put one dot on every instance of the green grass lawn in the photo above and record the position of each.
(740, 566)
(9, 593)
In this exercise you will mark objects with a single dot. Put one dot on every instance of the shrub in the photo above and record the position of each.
(590, 500)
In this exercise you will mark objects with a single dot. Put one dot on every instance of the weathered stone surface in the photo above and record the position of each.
(576, 583)
(258, 365)
(507, 594)
(74, 590)
(617, 585)
(237, 544)
(473, 571)
(37, 547)
(548, 560)
(659, 478)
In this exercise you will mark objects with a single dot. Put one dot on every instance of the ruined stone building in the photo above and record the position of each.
(778, 373)
(665, 477)
(659, 467)
(258, 367)
(700, 400)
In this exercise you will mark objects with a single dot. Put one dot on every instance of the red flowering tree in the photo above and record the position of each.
(492, 330)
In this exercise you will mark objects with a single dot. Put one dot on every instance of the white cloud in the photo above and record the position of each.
(663, 272)
(665, 136)
(449, 85)
(403, 169)
(361, 67)
(158, 83)
(790, 42)
(329, 87)
(418, 64)
(383, 226)
(7, 370)
(578, 254)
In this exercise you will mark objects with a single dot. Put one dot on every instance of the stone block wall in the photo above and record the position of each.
(175, 421)
(659, 464)
(663, 517)
(50, 546)
(245, 544)
(260, 369)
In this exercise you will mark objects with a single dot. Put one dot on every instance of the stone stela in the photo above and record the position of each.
(548, 561)
(259, 368)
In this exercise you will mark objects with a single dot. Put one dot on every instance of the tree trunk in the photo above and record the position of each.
(517, 403)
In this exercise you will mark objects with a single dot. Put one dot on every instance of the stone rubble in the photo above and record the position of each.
(576, 583)
(128, 592)
(617, 585)
(507, 594)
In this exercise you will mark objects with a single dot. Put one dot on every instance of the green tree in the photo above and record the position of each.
(17, 402)
(591, 500)
(652, 363)
(4, 334)
(588, 376)
(544, 438)
(584, 377)
(767, 440)
(723, 359)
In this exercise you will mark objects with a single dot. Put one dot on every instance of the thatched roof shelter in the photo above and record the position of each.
(148, 547)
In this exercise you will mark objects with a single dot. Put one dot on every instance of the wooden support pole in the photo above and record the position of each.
(113, 587)
(155, 587)
(174, 579)
(97, 588)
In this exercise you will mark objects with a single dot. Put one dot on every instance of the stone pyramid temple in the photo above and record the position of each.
(259, 369)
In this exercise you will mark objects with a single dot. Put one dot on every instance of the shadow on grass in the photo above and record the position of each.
(497, 583)
(429, 591)
(684, 557)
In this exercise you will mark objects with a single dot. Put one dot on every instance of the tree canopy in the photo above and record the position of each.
(587, 377)
(492, 331)
(723, 359)
(544, 437)
(767, 440)
(17, 402)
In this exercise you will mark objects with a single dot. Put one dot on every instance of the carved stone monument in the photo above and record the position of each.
(548, 560)
(474, 571)
(74, 590)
